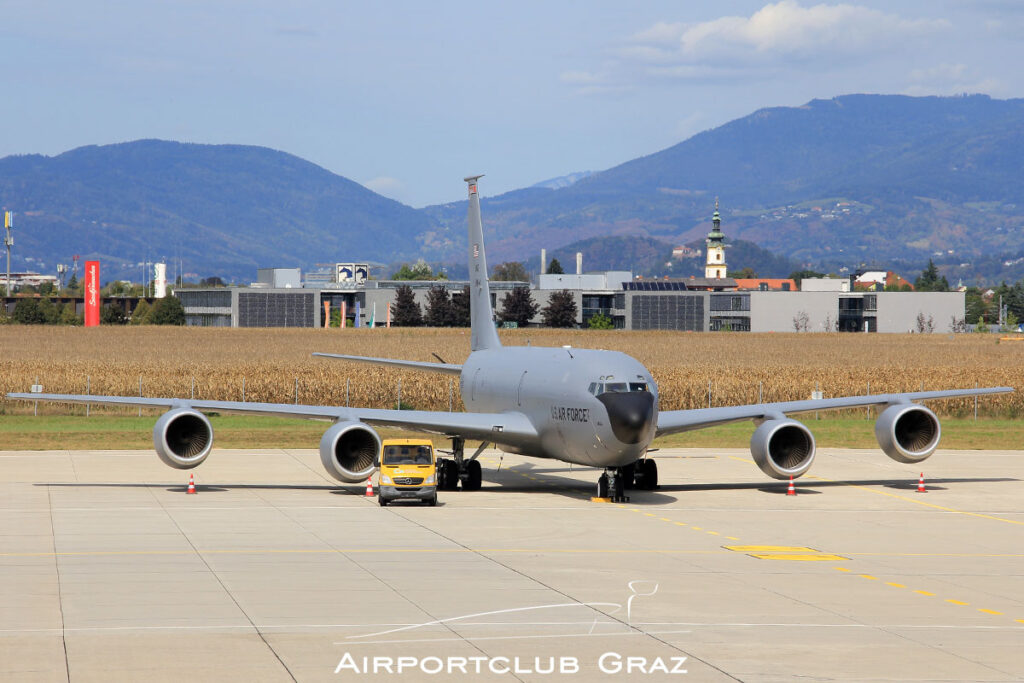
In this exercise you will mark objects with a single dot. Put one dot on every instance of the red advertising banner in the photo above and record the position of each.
(92, 293)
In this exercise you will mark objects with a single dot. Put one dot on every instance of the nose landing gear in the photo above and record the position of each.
(611, 485)
(641, 475)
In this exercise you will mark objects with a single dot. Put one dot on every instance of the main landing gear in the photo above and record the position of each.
(641, 475)
(460, 469)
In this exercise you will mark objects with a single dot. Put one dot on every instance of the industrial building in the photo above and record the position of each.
(709, 304)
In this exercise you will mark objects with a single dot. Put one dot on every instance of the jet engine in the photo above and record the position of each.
(182, 438)
(348, 450)
(782, 448)
(908, 432)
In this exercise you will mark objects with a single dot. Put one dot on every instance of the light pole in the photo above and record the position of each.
(9, 242)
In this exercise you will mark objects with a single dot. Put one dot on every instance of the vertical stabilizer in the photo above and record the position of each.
(483, 335)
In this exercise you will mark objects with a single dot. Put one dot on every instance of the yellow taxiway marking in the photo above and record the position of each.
(769, 548)
(696, 528)
(665, 519)
(925, 593)
(1019, 621)
(785, 552)
(841, 569)
(680, 523)
(714, 533)
(868, 576)
(989, 611)
(918, 501)
(732, 538)
(816, 557)
(894, 585)
(957, 602)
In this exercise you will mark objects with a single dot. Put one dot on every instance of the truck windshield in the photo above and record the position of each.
(406, 455)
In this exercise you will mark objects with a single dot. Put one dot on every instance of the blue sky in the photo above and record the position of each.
(408, 97)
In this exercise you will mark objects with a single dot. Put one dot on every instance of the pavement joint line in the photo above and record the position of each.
(917, 501)
(364, 551)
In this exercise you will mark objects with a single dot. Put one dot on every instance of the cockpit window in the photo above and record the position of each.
(598, 388)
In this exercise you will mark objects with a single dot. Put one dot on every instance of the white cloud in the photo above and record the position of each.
(950, 79)
(780, 32)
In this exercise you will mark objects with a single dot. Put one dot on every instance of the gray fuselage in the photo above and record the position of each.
(559, 391)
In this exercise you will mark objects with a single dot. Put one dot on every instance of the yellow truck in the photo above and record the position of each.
(408, 471)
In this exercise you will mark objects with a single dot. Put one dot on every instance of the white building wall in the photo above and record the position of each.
(775, 311)
(898, 311)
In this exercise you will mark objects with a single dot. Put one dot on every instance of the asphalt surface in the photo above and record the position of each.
(110, 572)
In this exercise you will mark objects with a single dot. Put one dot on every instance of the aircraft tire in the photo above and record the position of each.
(649, 468)
(474, 476)
(629, 476)
(602, 486)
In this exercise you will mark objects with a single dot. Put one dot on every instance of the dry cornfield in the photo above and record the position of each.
(275, 364)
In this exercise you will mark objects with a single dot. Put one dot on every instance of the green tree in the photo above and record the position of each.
(213, 281)
(51, 311)
(68, 315)
(459, 312)
(799, 275)
(438, 313)
(405, 312)
(561, 309)
(420, 270)
(555, 268)
(930, 281)
(518, 307)
(46, 288)
(73, 283)
(747, 273)
(111, 314)
(510, 271)
(27, 312)
(600, 322)
(167, 311)
(140, 316)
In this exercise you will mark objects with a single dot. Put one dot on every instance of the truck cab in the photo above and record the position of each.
(408, 471)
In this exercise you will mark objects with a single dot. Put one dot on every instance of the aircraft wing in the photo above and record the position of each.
(672, 421)
(446, 368)
(512, 428)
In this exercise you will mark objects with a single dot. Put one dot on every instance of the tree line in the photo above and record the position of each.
(444, 310)
(46, 311)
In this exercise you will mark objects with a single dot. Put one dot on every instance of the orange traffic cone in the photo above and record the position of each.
(791, 491)
(369, 486)
(191, 484)
(920, 485)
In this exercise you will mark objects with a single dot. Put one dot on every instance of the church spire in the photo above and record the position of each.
(715, 266)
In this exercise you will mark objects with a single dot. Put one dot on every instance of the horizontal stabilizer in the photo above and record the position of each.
(446, 368)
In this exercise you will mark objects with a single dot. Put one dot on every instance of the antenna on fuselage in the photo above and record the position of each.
(483, 335)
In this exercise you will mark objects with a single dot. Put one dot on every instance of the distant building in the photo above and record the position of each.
(825, 284)
(766, 284)
(878, 280)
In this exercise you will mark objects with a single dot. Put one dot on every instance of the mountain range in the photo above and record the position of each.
(832, 184)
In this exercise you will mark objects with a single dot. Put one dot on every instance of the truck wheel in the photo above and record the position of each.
(383, 501)
(432, 502)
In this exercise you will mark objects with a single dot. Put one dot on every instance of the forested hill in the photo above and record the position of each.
(223, 209)
(852, 179)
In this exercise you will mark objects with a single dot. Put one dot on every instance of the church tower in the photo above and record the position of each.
(715, 267)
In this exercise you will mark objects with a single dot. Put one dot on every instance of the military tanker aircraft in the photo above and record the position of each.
(584, 406)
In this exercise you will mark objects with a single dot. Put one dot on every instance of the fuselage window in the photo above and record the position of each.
(616, 387)
(638, 386)
(594, 388)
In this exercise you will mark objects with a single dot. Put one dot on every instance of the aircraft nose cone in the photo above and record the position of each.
(630, 414)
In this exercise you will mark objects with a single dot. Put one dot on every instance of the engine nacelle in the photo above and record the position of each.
(782, 448)
(182, 438)
(348, 450)
(908, 432)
